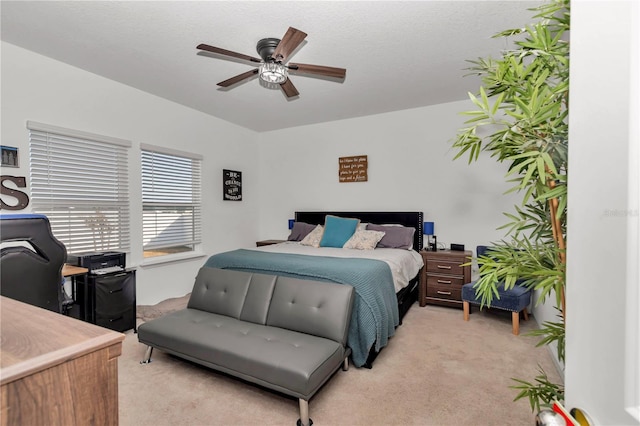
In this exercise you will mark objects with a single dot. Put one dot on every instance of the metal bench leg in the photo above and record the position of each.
(147, 356)
(515, 322)
(304, 419)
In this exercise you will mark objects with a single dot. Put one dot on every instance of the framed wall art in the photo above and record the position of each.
(231, 185)
(9, 156)
(353, 169)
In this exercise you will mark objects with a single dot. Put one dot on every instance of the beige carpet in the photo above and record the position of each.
(436, 370)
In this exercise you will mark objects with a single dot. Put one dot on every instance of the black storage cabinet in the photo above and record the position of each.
(108, 300)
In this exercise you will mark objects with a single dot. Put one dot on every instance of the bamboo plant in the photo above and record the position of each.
(520, 117)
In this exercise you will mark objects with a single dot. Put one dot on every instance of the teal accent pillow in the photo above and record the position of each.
(338, 230)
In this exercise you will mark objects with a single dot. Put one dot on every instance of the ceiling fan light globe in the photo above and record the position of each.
(273, 73)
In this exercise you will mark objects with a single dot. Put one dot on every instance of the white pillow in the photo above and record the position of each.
(314, 237)
(364, 240)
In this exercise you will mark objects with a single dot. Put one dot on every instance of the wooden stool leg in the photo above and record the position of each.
(515, 322)
(525, 314)
(465, 310)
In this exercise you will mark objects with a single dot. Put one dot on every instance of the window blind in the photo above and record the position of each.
(171, 204)
(80, 182)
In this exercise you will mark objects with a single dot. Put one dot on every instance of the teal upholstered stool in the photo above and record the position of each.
(516, 299)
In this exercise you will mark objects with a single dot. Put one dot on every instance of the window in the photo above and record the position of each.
(80, 182)
(171, 211)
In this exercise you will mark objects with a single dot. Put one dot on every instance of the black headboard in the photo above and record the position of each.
(410, 219)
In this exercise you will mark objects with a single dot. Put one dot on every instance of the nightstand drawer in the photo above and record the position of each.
(445, 281)
(444, 292)
(445, 267)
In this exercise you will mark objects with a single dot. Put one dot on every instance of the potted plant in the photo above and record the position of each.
(520, 117)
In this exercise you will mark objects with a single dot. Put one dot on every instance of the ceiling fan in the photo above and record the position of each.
(272, 69)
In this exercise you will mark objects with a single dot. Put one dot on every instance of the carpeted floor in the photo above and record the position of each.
(436, 370)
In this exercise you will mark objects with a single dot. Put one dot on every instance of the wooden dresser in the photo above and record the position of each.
(56, 370)
(443, 276)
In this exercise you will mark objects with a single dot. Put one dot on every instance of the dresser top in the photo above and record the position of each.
(33, 339)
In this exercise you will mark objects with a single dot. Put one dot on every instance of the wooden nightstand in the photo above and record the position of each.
(268, 242)
(443, 276)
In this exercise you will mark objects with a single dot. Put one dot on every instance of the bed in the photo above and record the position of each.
(385, 279)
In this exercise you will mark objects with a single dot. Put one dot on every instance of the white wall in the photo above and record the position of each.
(602, 326)
(411, 167)
(40, 89)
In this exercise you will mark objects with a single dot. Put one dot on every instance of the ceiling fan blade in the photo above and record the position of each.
(238, 78)
(227, 53)
(288, 44)
(318, 69)
(289, 89)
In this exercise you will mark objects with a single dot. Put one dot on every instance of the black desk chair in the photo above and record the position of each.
(31, 261)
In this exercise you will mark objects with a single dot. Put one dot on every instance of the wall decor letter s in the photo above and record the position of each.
(22, 197)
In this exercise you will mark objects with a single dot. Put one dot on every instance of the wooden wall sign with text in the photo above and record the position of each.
(353, 169)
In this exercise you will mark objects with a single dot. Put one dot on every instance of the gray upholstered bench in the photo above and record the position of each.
(283, 333)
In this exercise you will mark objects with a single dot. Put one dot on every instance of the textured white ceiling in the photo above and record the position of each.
(398, 54)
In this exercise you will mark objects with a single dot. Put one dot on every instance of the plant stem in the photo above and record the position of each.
(559, 238)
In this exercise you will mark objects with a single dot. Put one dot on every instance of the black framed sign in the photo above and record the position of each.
(231, 185)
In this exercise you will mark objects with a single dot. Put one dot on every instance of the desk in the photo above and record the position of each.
(71, 271)
(55, 369)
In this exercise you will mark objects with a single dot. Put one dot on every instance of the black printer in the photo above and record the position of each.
(100, 263)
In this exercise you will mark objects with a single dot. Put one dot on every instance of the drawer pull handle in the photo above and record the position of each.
(116, 319)
(446, 293)
(444, 281)
(444, 267)
(115, 291)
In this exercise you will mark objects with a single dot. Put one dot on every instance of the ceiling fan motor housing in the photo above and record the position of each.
(266, 47)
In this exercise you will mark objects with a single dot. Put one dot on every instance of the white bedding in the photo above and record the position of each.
(404, 264)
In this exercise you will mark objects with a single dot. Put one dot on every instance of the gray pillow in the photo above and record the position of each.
(300, 230)
(394, 236)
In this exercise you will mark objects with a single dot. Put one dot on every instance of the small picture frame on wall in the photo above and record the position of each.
(9, 156)
(231, 185)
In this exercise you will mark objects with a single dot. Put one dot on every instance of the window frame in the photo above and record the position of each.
(157, 200)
